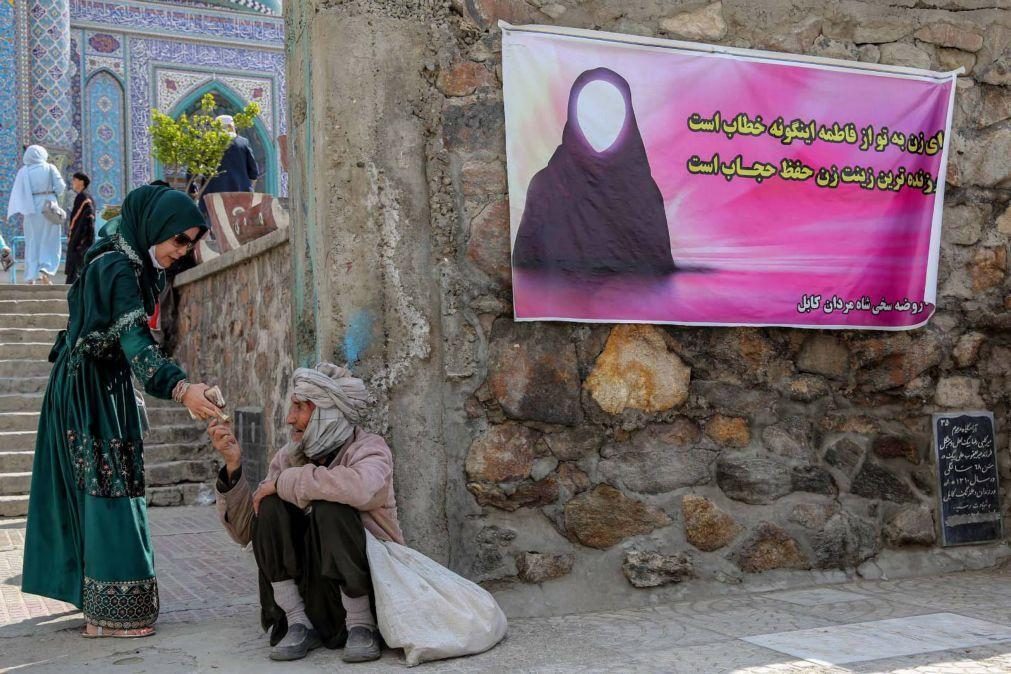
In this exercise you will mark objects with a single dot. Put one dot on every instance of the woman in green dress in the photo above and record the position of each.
(87, 541)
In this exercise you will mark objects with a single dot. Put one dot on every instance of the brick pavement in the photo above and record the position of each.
(953, 624)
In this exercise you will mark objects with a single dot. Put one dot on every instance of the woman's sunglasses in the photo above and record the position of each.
(183, 241)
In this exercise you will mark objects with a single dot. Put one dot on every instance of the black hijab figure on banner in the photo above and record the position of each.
(595, 211)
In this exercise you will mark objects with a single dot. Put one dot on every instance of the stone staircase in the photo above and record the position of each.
(180, 464)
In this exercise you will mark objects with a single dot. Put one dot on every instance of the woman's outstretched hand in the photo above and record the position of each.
(197, 403)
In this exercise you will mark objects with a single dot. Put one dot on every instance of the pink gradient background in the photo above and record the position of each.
(748, 252)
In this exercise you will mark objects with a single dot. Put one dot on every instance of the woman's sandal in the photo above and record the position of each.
(103, 633)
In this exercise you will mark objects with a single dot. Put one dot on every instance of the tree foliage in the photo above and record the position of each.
(192, 146)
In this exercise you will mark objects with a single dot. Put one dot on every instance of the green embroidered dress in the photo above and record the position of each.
(87, 541)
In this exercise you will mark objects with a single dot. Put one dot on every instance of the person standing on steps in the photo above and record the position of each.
(87, 540)
(82, 226)
(37, 183)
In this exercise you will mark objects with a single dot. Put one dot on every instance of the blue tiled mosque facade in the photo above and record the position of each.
(86, 73)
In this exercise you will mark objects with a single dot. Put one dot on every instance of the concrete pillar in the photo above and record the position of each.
(366, 287)
(50, 113)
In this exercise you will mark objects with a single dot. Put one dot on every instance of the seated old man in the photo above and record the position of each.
(307, 519)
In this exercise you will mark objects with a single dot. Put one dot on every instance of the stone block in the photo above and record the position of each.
(950, 35)
(526, 494)
(536, 567)
(877, 482)
(997, 73)
(574, 444)
(959, 392)
(966, 351)
(813, 479)
(902, 54)
(503, 453)
(1004, 222)
(652, 569)
(770, 547)
(912, 526)
(869, 27)
(813, 515)
(752, 479)
(988, 268)
(572, 479)
(473, 126)
(845, 455)
(899, 368)
(953, 59)
(707, 526)
(604, 516)
(825, 355)
(982, 159)
(846, 541)
(637, 371)
(533, 373)
(836, 49)
(728, 431)
(488, 242)
(705, 24)
(963, 224)
(463, 78)
(480, 176)
(657, 460)
(896, 447)
(790, 439)
(805, 388)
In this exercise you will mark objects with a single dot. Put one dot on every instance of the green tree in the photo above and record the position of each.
(193, 145)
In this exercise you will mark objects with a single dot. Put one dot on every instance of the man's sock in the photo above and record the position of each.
(288, 599)
(359, 611)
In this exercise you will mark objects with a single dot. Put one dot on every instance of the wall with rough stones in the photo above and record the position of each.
(573, 467)
(232, 329)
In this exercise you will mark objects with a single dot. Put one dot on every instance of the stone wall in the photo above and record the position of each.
(232, 328)
(573, 467)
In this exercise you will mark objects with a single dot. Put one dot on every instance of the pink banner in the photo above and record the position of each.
(665, 182)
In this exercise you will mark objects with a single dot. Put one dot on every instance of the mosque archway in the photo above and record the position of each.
(104, 149)
(228, 102)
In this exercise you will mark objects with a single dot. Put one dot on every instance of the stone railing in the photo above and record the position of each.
(233, 330)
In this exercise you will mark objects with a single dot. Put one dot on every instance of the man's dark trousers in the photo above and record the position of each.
(323, 551)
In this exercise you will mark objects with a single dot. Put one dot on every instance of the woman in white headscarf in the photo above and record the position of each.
(38, 182)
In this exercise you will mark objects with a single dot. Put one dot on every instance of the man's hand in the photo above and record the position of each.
(224, 441)
(262, 492)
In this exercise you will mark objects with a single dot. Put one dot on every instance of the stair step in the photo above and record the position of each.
(175, 472)
(23, 385)
(19, 421)
(17, 441)
(15, 484)
(57, 321)
(17, 402)
(12, 369)
(194, 493)
(16, 462)
(25, 350)
(43, 306)
(178, 435)
(13, 506)
(197, 493)
(12, 334)
(26, 292)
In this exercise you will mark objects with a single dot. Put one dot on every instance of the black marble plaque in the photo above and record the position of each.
(252, 439)
(966, 451)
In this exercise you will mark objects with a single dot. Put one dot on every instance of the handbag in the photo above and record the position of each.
(51, 210)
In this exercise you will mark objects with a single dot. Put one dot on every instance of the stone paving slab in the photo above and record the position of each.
(210, 623)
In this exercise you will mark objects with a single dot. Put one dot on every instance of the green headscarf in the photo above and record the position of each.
(151, 214)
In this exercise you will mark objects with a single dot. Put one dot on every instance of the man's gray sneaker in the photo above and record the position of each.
(362, 645)
(296, 643)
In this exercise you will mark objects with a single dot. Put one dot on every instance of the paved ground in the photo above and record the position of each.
(956, 624)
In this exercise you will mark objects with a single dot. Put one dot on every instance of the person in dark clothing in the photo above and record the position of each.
(81, 228)
(238, 169)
